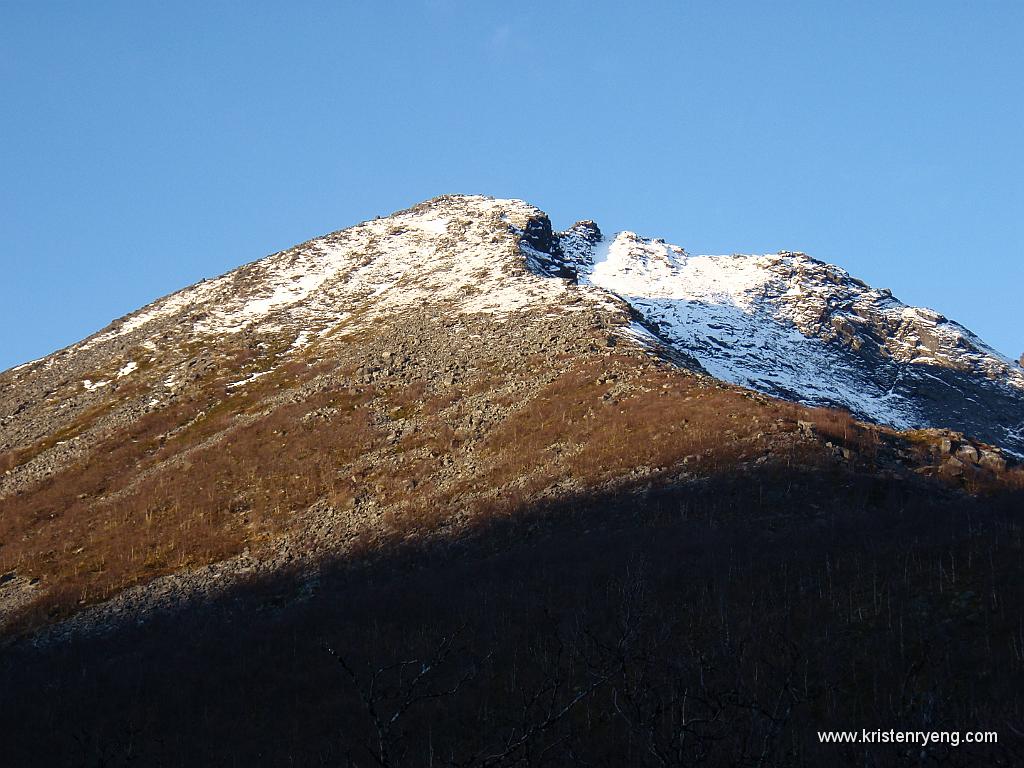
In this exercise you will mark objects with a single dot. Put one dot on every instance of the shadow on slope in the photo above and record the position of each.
(719, 623)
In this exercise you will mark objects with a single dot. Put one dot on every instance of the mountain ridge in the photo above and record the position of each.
(797, 328)
(415, 372)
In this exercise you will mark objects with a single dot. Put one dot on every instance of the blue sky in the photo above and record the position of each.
(146, 145)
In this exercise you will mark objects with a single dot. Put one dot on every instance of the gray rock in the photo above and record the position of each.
(968, 454)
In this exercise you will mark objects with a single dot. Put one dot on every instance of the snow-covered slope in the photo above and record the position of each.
(795, 327)
(783, 324)
(448, 251)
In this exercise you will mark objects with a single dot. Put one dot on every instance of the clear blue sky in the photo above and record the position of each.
(146, 145)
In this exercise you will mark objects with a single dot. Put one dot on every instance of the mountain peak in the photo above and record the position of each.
(783, 324)
(449, 357)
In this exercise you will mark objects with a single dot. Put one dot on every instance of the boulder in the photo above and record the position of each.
(967, 454)
(992, 460)
(953, 466)
(590, 232)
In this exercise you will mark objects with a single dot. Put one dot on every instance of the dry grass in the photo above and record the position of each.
(108, 523)
(577, 423)
(19, 456)
(840, 427)
(582, 430)
(194, 483)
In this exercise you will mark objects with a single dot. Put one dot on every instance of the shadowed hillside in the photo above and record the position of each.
(716, 624)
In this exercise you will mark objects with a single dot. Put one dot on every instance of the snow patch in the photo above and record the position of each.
(247, 379)
(300, 341)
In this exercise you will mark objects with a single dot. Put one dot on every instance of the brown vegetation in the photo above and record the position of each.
(221, 471)
(183, 486)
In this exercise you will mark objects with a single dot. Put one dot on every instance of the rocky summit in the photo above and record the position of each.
(535, 423)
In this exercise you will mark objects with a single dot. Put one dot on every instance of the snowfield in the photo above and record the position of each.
(791, 326)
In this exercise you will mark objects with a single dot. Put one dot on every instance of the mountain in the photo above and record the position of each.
(425, 334)
(399, 437)
(786, 324)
